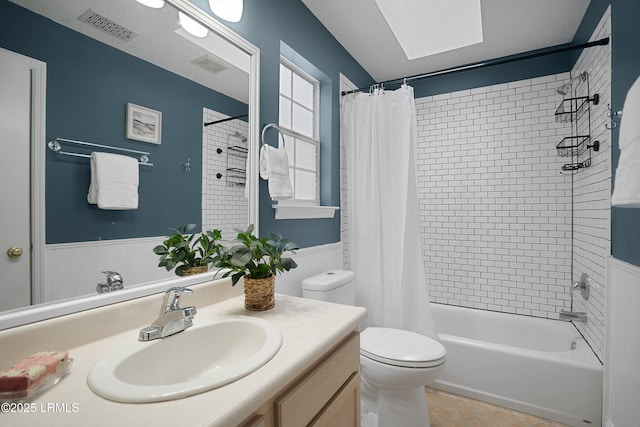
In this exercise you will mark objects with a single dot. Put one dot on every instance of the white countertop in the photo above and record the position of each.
(309, 329)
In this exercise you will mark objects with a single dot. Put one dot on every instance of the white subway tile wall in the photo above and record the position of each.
(592, 192)
(495, 210)
(224, 205)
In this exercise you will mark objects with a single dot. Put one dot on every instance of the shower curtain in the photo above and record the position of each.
(379, 131)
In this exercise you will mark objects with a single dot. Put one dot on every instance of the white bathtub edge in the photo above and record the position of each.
(558, 385)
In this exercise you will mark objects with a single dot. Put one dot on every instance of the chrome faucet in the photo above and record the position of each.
(576, 316)
(172, 318)
(584, 286)
(114, 282)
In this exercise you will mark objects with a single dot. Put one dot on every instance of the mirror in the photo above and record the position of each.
(104, 64)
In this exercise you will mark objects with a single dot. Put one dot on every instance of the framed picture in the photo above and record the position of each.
(144, 124)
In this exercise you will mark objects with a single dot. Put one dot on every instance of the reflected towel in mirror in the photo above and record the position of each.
(114, 181)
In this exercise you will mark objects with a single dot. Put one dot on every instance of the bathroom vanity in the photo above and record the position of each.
(328, 394)
(313, 378)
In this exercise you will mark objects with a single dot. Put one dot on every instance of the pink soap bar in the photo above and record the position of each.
(29, 372)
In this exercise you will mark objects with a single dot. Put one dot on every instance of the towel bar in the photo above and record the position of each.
(56, 147)
(271, 125)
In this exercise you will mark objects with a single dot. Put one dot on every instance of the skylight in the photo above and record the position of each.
(427, 27)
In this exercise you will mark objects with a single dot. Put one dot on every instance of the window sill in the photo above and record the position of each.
(304, 212)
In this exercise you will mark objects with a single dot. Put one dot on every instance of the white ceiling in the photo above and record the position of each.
(509, 27)
(156, 41)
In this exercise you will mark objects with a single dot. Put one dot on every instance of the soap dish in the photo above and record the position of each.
(49, 381)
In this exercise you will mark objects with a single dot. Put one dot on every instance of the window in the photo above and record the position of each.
(299, 105)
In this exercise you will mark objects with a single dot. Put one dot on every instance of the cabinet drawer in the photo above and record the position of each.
(300, 404)
(344, 408)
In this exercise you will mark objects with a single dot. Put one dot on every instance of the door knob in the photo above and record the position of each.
(14, 252)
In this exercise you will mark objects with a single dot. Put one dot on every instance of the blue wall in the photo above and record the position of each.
(625, 67)
(492, 75)
(88, 87)
(265, 23)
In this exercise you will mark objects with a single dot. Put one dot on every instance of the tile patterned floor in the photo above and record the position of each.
(449, 410)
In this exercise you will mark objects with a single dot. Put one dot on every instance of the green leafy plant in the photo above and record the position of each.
(256, 258)
(182, 250)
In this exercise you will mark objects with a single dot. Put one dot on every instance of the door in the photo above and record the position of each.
(15, 212)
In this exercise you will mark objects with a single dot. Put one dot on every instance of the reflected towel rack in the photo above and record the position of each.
(56, 147)
(276, 127)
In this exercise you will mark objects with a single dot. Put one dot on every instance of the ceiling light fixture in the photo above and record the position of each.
(229, 10)
(156, 4)
(192, 26)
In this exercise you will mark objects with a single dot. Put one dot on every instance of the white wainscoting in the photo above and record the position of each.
(621, 368)
(73, 269)
(311, 261)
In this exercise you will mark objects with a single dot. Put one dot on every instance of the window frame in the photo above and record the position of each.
(288, 132)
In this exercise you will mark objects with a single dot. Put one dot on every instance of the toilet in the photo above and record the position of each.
(395, 365)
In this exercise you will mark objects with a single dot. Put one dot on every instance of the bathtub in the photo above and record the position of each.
(537, 366)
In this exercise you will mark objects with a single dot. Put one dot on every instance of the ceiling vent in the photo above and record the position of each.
(209, 63)
(106, 25)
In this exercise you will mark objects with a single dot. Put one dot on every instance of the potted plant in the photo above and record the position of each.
(187, 253)
(258, 260)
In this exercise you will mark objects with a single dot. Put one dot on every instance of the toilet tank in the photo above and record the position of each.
(332, 286)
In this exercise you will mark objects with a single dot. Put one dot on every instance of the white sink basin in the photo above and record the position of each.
(212, 353)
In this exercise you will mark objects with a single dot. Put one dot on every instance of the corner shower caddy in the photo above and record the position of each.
(578, 145)
(237, 152)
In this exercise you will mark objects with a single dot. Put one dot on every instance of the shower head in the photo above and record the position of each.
(240, 136)
(565, 89)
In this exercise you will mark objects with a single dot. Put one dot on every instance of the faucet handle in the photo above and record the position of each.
(113, 276)
(114, 282)
(172, 298)
(583, 285)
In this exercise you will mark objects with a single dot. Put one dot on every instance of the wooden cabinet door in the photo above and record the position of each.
(309, 396)
(344, 409)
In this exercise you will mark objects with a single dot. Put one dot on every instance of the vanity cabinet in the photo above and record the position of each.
(327, 394)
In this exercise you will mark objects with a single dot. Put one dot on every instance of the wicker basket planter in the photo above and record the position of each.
(195, 270)
(258, 293)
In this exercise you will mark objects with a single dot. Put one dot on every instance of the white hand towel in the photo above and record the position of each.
(627, 182)
(274, 166)
(114, 181)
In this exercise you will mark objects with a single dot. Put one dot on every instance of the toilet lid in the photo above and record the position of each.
(401, 348)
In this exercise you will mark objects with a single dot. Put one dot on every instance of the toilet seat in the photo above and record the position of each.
(401, 348)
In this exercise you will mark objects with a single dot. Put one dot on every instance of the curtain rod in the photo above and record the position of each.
(226, 120)
(489, 63)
